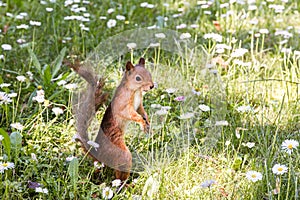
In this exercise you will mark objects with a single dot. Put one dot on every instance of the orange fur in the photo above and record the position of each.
(126, 106)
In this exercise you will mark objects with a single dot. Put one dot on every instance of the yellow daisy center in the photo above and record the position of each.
(289, 146)
(4, 164)
(253, 175)
(280, 169)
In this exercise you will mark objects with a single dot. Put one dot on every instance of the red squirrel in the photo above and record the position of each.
(126, 106)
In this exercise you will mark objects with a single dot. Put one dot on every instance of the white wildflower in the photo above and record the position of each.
(249, 144)
(4, 98)
(21, 78)
(222, 123)
(161, 112)
(243, 109)
(57, 111)
(98, 165)
(61, 82)
(116, 183)
(70, 158)
(120, 17)
(153, 45)
(107, 193)
(289, 145)
(264, 31)
(279, 169)
(71, 86)
(111, 10)
(49, 9)
(35, 23)
(41, 190)
(160, 35)
(253, 176)
(204, 108)
(171, 90)
(213, 36)
(17, 126)
(181, 26)
(186, 116)
(185, 36)
(111, 23)
(131, 45)
(5, 85)
(6, 47)
(22, 26)
(93, 144)
(239, 52)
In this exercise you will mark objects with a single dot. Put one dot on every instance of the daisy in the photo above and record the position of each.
(222, 123)
(4, 85)
(207, 183)
(71, 86)
(244, 109)
(186, 116)
(22, 26)
(93, 144)
(17, 126)
(41, 190)
(279, 169)
(6, 165)
(160, 35)
(289, 145)
(131, 45)
(111, 23)
(111, 10)
(171, 90)
(213, 36)
(40, 96)
(204, 108)
(1, 138)
(57, 111)
(185, 36)
(98, 165)
(239, 52)
(253, 176)
(62, 82)
(4, 98)
(107, 193)
(161, 112)
(116, 183)
(21, 78)
(120, 17)
(70, 158)
(35, 23)
(6, 47)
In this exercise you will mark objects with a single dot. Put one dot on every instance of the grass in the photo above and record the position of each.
(255, 96)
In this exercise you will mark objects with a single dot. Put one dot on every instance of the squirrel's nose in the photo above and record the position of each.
(152, 86)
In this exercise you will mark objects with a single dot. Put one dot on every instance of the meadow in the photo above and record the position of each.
(224, 111)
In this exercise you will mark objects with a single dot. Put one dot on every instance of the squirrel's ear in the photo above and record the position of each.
(142, 62)
(129, 66)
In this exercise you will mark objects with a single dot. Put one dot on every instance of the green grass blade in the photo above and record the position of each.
(6, 141)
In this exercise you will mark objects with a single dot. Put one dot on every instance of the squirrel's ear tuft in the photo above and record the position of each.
(129, 66)
(142, 62)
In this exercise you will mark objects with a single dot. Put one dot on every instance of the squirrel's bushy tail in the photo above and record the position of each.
(86, 104)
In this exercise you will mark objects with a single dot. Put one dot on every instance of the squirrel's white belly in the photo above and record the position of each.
(137, 100)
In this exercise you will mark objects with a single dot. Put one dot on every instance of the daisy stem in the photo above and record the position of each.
(289, 179)
(17, 103)
(85, 155)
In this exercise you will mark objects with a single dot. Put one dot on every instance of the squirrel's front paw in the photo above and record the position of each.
(145, 127)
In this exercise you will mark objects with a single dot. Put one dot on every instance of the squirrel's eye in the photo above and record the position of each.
(138, 78)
